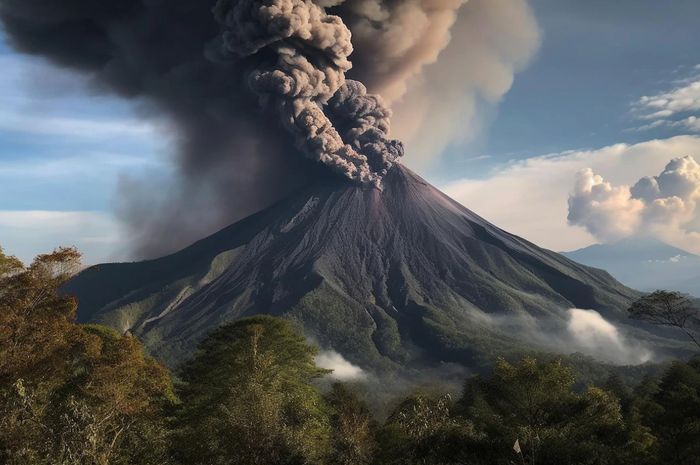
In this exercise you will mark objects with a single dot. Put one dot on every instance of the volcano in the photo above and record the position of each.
(403, 275)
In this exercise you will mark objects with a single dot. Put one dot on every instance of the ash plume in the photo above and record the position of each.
(309, 52)
(206, 67)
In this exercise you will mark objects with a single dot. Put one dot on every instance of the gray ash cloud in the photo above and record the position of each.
(227, 75)
(304, 57)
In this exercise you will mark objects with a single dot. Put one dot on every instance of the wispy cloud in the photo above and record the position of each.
(93, 128)
(62, 106)
(63, 148)
(680, 99)
(30, 232)
(57, 165)
(677, 107)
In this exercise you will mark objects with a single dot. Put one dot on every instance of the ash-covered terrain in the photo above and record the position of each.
(403, 276)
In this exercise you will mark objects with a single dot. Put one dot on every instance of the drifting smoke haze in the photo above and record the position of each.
(593, 335)
(227, 75)
(577, 331)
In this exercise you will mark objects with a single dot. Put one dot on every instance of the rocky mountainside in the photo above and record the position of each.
(387, 278)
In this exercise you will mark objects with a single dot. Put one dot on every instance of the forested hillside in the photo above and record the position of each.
(252, 394)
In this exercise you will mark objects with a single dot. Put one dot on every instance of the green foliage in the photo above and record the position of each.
(70, 394)
(353, 429)
(672, 309)
(422, 430)
(535, 404)
(85, 395)
(673, 413)
(247, 398)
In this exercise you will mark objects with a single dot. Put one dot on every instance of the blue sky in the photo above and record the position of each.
(596, 58)
(64, 148)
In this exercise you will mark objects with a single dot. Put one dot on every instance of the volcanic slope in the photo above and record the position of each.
(386, 278)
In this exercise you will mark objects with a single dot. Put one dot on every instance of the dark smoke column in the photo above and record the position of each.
(301, 74)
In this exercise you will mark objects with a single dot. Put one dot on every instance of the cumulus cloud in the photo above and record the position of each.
(529, 197)
(663, 205)
(343, 370)
(691, 122)
(606, 211)
(593, 335)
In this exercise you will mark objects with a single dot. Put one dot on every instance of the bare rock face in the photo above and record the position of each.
(394, 277)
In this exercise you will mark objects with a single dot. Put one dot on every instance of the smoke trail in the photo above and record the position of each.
(310, 51)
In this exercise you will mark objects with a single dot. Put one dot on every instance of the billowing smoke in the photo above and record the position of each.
(396, 39)
(309, 52)
(226, 76)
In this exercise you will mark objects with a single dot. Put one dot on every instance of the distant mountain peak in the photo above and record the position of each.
(645, 247)
(645, 263)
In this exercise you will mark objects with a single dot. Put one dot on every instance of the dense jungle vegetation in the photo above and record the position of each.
(75, 394)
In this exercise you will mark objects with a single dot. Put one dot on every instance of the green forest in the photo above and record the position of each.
(74, 394)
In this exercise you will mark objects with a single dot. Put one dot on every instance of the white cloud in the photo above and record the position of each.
(342, 369)
(36, 124)
(663, 205)
(665, 109)
(680, 99)
(529, 198)
(692, 123)
(604, 210)
(88, 164)
(60, 106)
(31, 232)
(674, 259)
(594, 335)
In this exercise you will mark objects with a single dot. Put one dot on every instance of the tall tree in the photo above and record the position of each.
(247, 398)
(673, 414)
(673, 309)
(352, 427)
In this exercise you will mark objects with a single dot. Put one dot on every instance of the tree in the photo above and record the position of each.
(672, 412)
(536, 404)
(641, 448)
(352, 426)
(671, 309)
(71, 394)
(422, 430)
(34, 318)
(247, 398)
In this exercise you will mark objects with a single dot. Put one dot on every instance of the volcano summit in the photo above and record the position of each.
(403, 275)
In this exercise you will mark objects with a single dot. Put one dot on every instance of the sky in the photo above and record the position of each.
(560, 125)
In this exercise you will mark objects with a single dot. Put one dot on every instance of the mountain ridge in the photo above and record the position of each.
(386, 278)
(644, 263)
